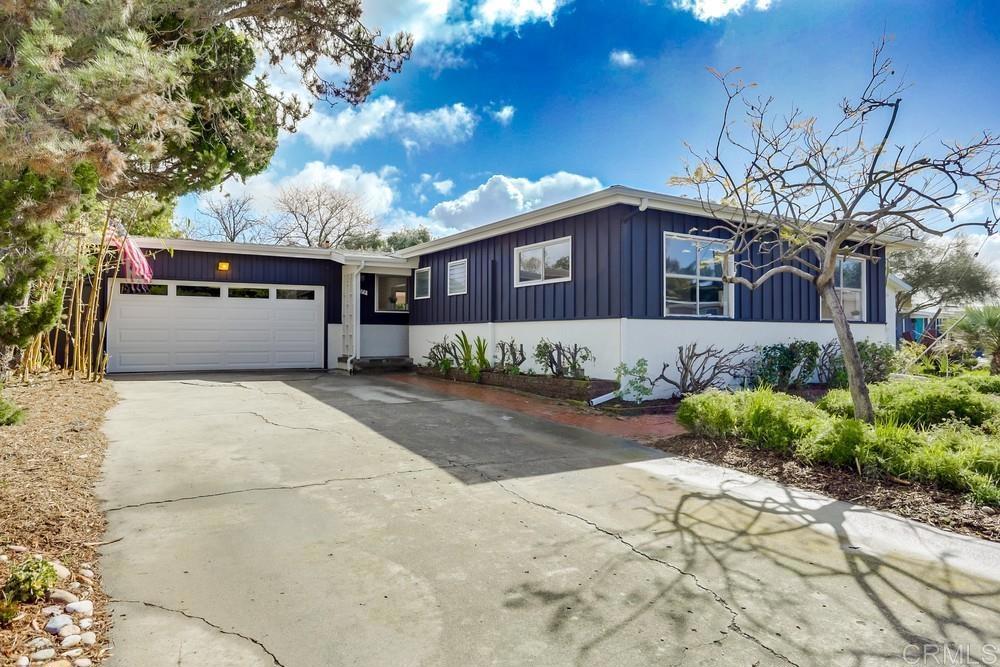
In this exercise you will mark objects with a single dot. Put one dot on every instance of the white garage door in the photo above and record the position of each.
(184, 325)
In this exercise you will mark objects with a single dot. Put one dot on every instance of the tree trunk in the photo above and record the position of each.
(863, 409)
(995, 362)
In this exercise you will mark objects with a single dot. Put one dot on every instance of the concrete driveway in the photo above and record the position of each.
(315, 519)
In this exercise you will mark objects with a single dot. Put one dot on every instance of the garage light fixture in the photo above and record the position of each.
(222, 266)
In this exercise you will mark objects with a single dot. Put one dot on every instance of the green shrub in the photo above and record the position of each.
(786, 366)
(837, 402)
(984, 490)
(984, 384)
(714, 413)
(933, 402)
(775, 420)
(10, 414)
(30, 580)
(889, 447)
(837, 441)
(8, 611)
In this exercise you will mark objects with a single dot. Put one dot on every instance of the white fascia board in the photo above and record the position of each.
(898, 283)
(232, 248)
(341, 256)
(616, 194)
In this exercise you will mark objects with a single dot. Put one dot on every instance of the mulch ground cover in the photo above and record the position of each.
(48, 466)
(942, 508)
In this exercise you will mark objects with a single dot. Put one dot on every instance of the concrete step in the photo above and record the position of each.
(382, 364)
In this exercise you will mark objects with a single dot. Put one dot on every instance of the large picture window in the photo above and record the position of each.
(546, 262)
(390, 294)
(458, 277)
(693, 272)
(849, 280)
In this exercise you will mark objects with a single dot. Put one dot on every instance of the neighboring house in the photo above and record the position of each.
(627, 273)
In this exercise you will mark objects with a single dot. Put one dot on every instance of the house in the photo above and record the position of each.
(615, 270)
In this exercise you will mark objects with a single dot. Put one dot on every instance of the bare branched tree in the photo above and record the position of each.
(802, 200)
(232, 218)
(698, 370)
(321, 216)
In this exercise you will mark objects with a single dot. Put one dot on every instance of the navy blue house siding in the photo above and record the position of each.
(201, 266)
(594, 291)
(368, 313)
(617, 272)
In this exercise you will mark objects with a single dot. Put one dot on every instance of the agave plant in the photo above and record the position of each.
(980, 328)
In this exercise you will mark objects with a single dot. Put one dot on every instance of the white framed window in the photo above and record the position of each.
(693, 272)
(391, 294)
(422, 283)
(543, 263)
(849, 280)
(458, 277)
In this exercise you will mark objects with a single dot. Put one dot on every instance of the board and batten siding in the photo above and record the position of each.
(593, 293)
(783, 298)
(368, 313)
(617, 272)
(202, 267)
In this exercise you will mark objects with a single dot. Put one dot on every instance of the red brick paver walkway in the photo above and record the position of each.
(641, 428)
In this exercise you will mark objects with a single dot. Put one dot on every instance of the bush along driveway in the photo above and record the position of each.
(940, 435)
(306, 520)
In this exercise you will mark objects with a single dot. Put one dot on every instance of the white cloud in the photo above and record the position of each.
(440, 26)
(374, 190)
(623, 58)
(384, 116)
(710, 10)
(503, 196)
(504, 115)
(444, 187)
(990, 253)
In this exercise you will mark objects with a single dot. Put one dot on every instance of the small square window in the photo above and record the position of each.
(458, 277)
(391, 293)
(198, 290)
(249, 293)
(422, 283)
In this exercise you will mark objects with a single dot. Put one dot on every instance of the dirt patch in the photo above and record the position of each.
(656, 406)
(944, 509)
(50, 463)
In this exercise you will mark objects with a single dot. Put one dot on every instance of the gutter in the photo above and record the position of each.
(356, 312)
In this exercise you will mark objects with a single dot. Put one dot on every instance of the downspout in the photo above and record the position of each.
(356, 314)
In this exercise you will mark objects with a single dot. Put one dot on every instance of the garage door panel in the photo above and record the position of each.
(143, 336)
(237, 335)
(157, 332)
(198, 335)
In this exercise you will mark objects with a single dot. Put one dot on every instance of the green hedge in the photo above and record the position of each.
(921, 403)
(951, 453)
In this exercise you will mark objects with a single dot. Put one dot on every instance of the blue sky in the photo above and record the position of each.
(512, 104)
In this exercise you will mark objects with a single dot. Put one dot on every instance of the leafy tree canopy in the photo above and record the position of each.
(941, 276)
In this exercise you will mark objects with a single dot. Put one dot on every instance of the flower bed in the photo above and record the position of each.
(543, 385)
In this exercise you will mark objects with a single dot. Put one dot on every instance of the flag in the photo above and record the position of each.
(132, 260)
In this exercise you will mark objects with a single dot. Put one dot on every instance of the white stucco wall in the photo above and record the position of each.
(385, 340)
(657, 341)
(334, 344)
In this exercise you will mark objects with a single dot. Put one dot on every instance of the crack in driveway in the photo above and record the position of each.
(734, 615)
(206, 622)
(305, 485)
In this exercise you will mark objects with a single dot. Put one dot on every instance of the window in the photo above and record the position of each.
(390, 294)
(693, 271)
(198, 290)
(849, 279)
(295, 294)
(422, 283)
(458, 277)
(547, 262)
(249, 293)
(139, 288)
